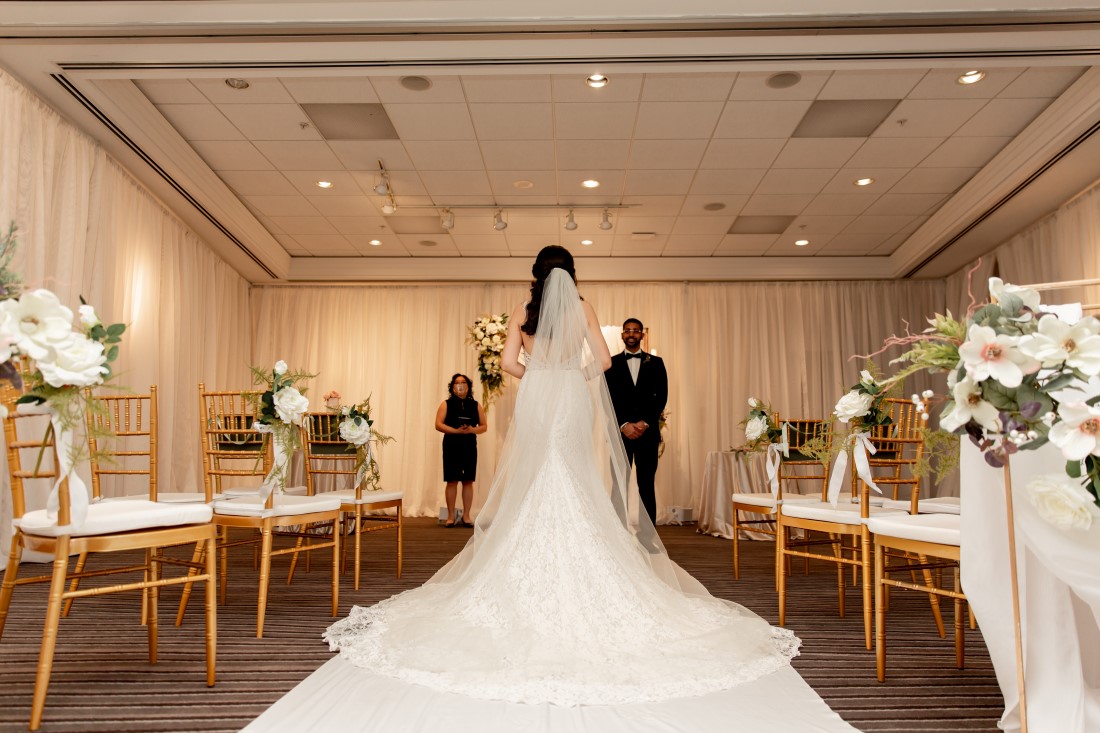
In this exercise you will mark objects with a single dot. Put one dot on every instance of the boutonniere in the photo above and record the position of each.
(645, 359)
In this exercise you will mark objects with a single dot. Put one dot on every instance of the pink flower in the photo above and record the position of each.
(1077, 432)
(987, 354)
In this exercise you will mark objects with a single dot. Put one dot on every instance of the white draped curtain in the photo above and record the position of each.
(86, 227)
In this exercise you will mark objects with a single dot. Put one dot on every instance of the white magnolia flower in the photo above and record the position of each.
(1077, 432)
(280, 368)
(36, 323)
(355, 433)
(79, 362)
(968, 405)
(756, 427)
(88, 316)
(290, 405)
(754, 403)
(7, 343)
(998, 288)
(1078, 344)
(852, 405)
(1061, 501)
(987, 354)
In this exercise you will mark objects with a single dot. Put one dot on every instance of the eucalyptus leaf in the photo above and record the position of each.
(1060, 382)
(1001, 397)
(1073, 469)
(116, 329)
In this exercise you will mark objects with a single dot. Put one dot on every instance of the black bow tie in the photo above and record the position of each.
(634, 356)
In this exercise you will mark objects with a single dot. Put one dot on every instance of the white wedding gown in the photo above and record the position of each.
(562, 597)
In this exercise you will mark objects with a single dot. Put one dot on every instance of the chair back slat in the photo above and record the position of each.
(42, 463)
(130, 421)
(231, 447)
(326, 453)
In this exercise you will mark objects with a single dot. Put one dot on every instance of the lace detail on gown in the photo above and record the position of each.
(562, 604)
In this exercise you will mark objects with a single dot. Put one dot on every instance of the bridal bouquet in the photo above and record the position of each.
(280, 410)
(357, 428)
(487, 337)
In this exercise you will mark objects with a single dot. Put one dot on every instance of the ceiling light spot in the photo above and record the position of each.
(714, 206)
(586, 242)
(498, 221)
(523, 184)
(240, 84)
(784, 80)
(324, 184)
(597, 81)
(605, 220)
(389, 208)
(591, 183)
(375, 242)
(971, 77)
(427, 243)
(570, 222)
(863, 181)
(801, 242)
(416, 83)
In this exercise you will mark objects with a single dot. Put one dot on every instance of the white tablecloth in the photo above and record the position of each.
(1059, 595)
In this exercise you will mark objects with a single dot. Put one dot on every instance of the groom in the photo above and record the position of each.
(638, 385)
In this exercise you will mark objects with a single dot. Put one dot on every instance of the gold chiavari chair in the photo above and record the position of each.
(900, 446)
(327, 454)
(795, 466)
(232, 449)
(107, 527)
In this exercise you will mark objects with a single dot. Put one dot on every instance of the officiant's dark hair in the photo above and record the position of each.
(451, 385)
(547, 259)
(633, 320)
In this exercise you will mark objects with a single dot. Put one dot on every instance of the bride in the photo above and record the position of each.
(564, 594)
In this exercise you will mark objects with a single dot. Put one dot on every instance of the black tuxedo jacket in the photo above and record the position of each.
(644, 400)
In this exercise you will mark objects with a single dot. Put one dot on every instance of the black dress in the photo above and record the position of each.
(460, 451)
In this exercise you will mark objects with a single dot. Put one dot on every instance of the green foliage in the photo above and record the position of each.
(941, 454)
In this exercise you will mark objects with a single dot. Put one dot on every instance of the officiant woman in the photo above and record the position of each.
(461, 419)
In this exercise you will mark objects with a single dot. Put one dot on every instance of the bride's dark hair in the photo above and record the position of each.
(548, 258)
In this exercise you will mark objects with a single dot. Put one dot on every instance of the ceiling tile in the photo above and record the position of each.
(271, 121)
(611, 183)
(758, 153)
(296, 225)
(507, 155)
(200, 122)
(794, 180)
(928, 118)
(444, 89)
(893, 152)
(906, 203)
(658, 183)
(259, 91)
(579, 154)
(223, 155)
(600, 247)
(844, 117)
(785, 246)
(477, 224)
(543, 223)
(754, 85)
(358, 121)
(1003, 118)
(716, 225)
(326, 245)
(897, 239)
(609, 121)
(944, 84)
(854, 244)
(365, 154)
(512, 89)
(305, 183)
(818, 225)
(760, 119)
(691, 245)
(1042, 82)
(429, 245)
(677, 120)
(391, 246)
(871, 84)
(784, 205)
(282, 206)
(633, 248)
(839, 204)
(169, 91)
(528, 245)
(666, 154)
(628, 224)
(290, 244)
(372, 225)
(529, 121)
(655, 205)
(472, 245)
(686, 87)
(403, 184)
(730, 205)
(358, 206)
(298, 156)
(546, 183)
(746, 244)
(967, 152)
(726, 181)
(933, 180)
(330, 90)
(419, 223)
(753, 224)
(268, 224)
(620, 88)
(810, 152)
(844, 181)
(866, 224)
(449, 155)
(260, 183)
(443, 183)
(431, 121)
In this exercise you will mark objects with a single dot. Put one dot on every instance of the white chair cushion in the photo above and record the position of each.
(111, 517)
(765, 500)
(168, 497)
(253, 491)
(285, 506)
(824, 512)
(937, 505)
(942, 529)
(347, 496)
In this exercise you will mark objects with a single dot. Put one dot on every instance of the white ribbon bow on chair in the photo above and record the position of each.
(63, 443)
(861, 446)
(276, 477)
(776, 452)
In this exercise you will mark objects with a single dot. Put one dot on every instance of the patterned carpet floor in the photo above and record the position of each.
(102, 680)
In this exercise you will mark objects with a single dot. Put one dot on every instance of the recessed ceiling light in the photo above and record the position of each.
(523, 184)
(784, 80)
(801, 242)
(591, 183)
(864, 181)
(586, 242)
(374, 242)
(237, 84)
(597, 81)
(324, 184)
(971, 77)
(416, 83)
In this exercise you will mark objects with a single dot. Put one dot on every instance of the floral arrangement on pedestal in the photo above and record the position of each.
(487, 337)
(280, 410)
(357, 428)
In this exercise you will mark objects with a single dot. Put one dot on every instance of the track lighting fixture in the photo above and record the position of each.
(389, 207)
(498, 221)
(447, 219)
(605, 220)
(382, 188)
(570, 223)
(385, 188)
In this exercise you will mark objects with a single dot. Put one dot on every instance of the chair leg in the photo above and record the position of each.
(865, 564)
(880, 613)
(211, 609)
(153, 593)
(736, 555)
(265, 577)
(196, 557)
(223, 568)
(780, 556)
(49, 632)
(357, 560)
(74, 585)
(336, 564)
(400, 537)
(10, 574)
(838, 553)
(933, 599)
(294, 559)
(960, 630)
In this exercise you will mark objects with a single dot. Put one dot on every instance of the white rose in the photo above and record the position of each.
(1061, 501)
(756, 427)
(290, 405)
(852, 405)
(866, 378)
(280, 368)
(355, 433)
(78, 362)
(88, 316)
(754, 403)
(36, 323)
